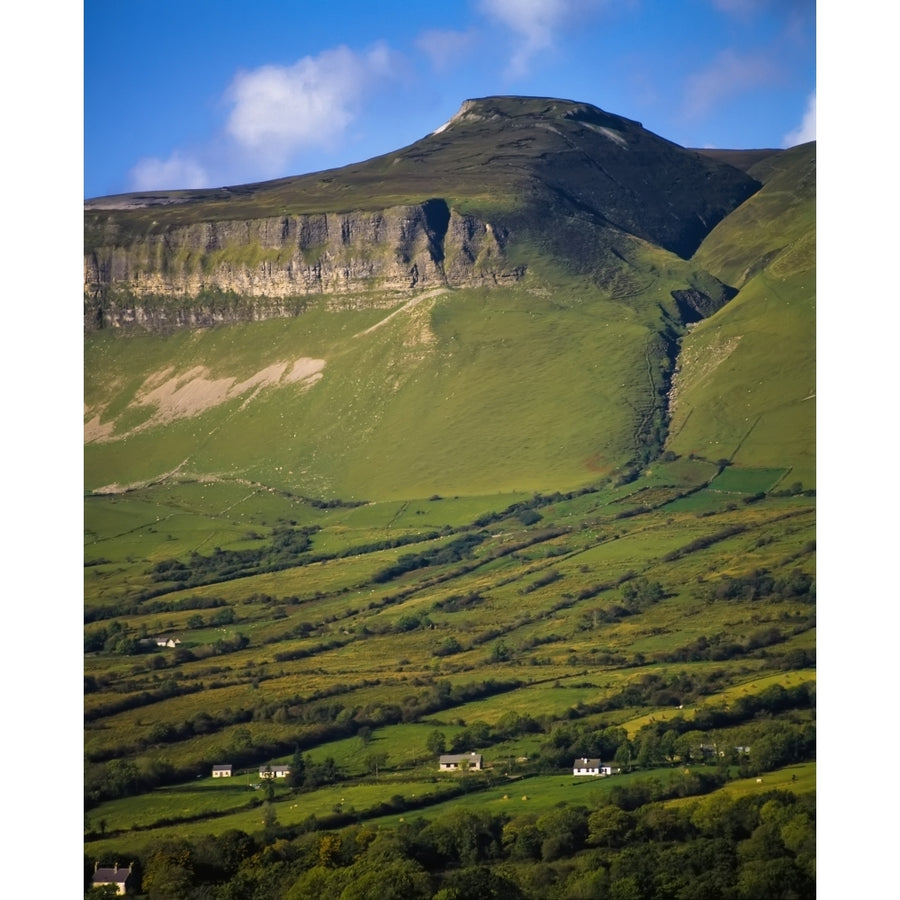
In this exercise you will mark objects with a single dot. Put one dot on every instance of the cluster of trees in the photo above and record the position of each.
(719, 647)
(761, 583)
(115, 637)
(122, 640)
(480, 734)
(134, 608)
(286, 544)
(524, 509)
(638, 595)
(458, 549)
(702, 543)
(714, 846)
(547, 578)
(771, 723)
(457, 602)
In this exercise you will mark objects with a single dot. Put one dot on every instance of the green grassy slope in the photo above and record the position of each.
(746, 387)
(542, 387)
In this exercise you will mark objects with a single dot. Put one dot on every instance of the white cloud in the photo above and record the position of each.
(281, 109)
(276, 112)
(176, 172)
(806, 131)
(535, 24)
(728, 75)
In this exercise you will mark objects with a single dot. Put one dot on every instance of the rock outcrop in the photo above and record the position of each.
(223, 271)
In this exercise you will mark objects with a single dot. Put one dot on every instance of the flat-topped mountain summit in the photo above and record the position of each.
(507, 182)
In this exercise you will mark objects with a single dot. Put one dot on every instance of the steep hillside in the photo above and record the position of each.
(507, 186)
(496, 307)
(745, 390)
(465, 391)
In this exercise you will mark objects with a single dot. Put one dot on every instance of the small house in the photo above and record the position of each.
(278, 770)
(120, 877)
(585, 766)
(453, 762)
(221, 771)
(167, 641)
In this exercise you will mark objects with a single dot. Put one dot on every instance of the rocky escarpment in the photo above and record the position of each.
(220, 271)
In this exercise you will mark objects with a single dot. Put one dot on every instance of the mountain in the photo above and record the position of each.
(504, 183)
(502, 444)
(532, 261)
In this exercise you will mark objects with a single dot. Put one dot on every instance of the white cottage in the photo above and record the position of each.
(120, 877)
(585, 766)
(453, 762)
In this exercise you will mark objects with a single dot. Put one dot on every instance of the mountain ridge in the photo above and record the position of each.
(480, 200)
(483, 269)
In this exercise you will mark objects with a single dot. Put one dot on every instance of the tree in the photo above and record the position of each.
(319, 881)
(169, 870)
(500, 652)
(649, 751)
(297, 776)
(436, 743)
(269, 779)
(667, 743)
(270, 821)
(623, 756)
(521, 837)
(608, 827)
(330, 848)
(564, 832)
(772, 878)
(478, 883)
(376, 761)
(122, 777)
(687, 746)
(223, 616)
(465, 836)
(448, 646)
(641, 593)
(400, 879)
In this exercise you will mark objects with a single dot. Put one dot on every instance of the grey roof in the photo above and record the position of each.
(584, 763)
(221, 768)
(109, 875)
(459, 757)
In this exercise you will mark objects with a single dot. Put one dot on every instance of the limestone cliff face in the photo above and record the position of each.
(220, 271)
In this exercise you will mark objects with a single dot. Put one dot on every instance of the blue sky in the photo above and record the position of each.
(199, 93)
